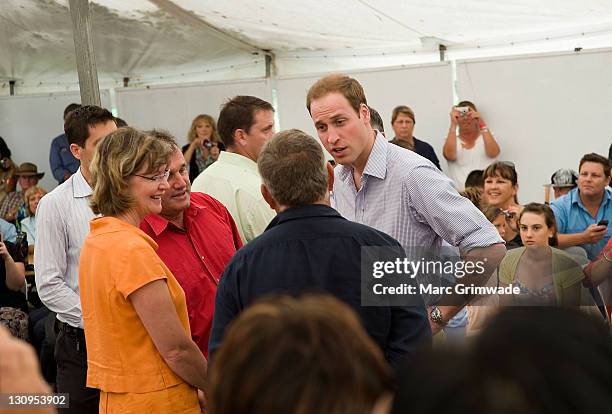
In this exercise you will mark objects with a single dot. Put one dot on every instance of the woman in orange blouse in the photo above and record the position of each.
(140, 353)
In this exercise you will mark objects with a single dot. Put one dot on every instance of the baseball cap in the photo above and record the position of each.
(564, 178)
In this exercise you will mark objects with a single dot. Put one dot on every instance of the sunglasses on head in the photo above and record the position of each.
(506, 163)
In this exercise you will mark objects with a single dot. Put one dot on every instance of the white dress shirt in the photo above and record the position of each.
(62, 221)
(234, 180)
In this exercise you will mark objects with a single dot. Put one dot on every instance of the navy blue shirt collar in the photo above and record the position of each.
(300, 212)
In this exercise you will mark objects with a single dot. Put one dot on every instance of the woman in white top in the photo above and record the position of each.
(473, 148)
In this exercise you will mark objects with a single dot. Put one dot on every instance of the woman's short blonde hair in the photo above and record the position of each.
(30, 192)
(214, 137)
(120, 155)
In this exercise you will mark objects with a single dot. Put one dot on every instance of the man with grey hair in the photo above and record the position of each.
(310, 247)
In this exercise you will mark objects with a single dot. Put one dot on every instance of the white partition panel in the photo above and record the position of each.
(174, 107)
(546, 111)
(29, 123)
(427, 89)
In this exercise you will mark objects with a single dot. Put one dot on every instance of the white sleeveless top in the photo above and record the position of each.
(468, 160)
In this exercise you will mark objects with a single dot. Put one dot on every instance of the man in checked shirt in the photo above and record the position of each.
(395, 190)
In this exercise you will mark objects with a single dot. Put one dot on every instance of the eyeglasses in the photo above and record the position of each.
(156, 178)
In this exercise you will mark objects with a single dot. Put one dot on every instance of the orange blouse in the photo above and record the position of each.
(116, 260)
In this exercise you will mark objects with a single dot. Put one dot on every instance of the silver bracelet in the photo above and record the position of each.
(606, 258)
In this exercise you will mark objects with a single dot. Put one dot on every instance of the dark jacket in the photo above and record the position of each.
(310, 249)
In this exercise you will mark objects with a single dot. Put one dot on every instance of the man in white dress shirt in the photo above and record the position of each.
(63, 218)
(245, 124)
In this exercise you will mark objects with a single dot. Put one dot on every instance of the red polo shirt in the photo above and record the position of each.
(197, 256)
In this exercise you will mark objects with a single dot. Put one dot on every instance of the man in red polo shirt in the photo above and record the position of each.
(196, 237)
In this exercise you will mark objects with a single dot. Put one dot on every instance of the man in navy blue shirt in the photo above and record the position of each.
(308, 247)
(62, 162)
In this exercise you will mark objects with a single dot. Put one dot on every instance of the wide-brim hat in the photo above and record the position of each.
(27, 169)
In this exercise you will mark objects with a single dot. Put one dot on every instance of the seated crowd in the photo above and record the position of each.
(228, 276)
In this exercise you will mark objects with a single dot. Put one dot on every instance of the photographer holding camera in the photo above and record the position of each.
(473, 148)
(202, 137)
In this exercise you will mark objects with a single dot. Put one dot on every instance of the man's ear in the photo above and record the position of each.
(364, 112)
(76, 151)
(268, 197)
(239, 138)
(330, 176)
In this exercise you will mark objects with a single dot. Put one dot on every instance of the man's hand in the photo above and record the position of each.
(435, 328)
(594, 233)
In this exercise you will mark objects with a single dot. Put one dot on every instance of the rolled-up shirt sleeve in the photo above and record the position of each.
(434, 201)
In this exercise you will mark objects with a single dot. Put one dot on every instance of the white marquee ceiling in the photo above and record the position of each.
(153, 41)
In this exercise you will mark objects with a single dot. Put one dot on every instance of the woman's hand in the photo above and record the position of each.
(512, 214)
(205, 152)
(202, 401)
(475, 115)
(454, 116)
(197, 142)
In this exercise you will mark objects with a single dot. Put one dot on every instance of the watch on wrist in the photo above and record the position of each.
(436, 315)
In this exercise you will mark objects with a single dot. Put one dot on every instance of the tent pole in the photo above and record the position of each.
(84, 51)
(442, 50)
(268, 65)
(12, 87)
